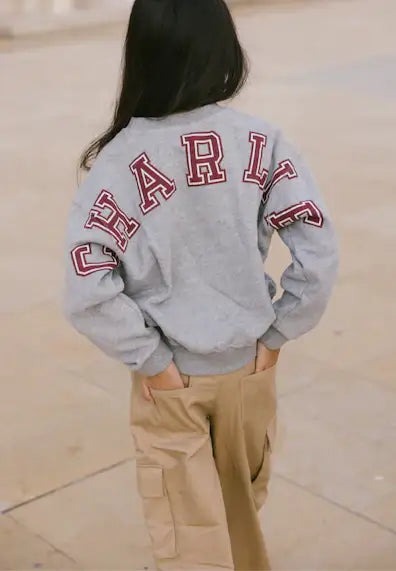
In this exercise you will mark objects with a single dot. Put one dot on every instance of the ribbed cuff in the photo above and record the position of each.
(272, 339)
(158, 361)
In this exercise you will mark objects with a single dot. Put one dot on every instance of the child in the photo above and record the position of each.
(166, 242)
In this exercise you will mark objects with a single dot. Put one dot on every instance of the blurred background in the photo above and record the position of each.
(323, 70)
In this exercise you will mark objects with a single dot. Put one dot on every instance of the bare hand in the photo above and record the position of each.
(266, 358)
(168, 380)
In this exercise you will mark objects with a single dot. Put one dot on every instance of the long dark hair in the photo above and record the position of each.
(178, 55)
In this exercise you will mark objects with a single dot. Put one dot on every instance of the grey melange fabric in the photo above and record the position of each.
(168, 234)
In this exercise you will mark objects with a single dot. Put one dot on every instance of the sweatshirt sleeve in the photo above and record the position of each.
(293, 206)
(94, 298)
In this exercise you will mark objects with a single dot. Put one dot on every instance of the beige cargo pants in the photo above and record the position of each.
(203, 465)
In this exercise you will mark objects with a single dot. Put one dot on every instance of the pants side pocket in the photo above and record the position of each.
(262, 478)
(157, 510)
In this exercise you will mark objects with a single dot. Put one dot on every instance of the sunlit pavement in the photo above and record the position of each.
(326, 73)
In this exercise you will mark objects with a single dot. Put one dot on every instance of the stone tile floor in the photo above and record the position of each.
(21, 7)
(325, 72)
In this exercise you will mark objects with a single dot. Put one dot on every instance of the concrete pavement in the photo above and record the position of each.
(323, 71)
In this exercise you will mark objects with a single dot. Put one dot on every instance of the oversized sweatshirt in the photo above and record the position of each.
(169, 233)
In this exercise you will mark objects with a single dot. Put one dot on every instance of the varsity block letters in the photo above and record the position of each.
(84, 267)
(150, 180)
(255, 173)
(205, 166)
(108, 216)
(307, 211)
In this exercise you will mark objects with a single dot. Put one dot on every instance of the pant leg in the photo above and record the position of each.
(178, 480)
(259, 428)
(243, 425)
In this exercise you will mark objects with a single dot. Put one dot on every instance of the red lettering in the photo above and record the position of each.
(150, 180)
(307, 211)
(204, 156)
(253, 173)
(107, 215)
(285, 170)
(84, 268)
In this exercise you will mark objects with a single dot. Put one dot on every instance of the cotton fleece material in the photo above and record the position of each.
(168, 234)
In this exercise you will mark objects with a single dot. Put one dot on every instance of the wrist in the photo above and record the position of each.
(158, 362)
(273, 340)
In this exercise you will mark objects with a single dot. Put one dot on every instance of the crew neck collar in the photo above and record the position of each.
(183, 117)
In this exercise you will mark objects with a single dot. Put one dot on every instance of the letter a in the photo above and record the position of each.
(150, 180)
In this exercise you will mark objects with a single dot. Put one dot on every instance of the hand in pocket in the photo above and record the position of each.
(168, 380)
(266, 358)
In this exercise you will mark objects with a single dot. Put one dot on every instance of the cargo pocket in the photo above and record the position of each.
(262, 477)
(157, 510)
(259, 406)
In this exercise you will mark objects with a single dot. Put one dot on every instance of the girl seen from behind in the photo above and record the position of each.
(166, 242)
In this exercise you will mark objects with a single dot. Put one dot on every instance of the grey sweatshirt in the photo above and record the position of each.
(168, 235)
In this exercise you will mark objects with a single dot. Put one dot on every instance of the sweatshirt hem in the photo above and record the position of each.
(213, 363)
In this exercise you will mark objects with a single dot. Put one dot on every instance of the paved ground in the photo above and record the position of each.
(326, 72)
